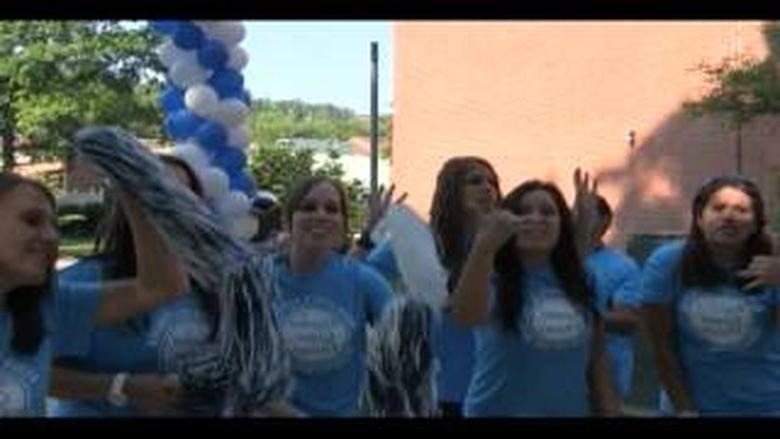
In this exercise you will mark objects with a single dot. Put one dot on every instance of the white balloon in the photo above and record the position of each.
(204, 25)
(238, 136)
(230, 33)
(233, 204)
(232, 112)
(238, 59)
(244, 227)
(201, 99)
(192, 154)
(215, 182)
(170, 54)
(186, 74)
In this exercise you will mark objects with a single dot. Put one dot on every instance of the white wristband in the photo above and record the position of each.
(116, 393)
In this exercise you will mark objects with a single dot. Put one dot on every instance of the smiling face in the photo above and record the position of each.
(728, 218)
(318, 220)
(479, 190)
(28, 237)
(540, 223)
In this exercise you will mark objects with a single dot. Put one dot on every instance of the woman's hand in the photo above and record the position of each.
(378, 203)
(763, 270)
(154, 395)
(495, 229)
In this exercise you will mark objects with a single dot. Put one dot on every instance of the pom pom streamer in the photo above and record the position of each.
(401, 364)
(247, 366)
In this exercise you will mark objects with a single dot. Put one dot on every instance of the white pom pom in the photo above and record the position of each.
(230, 33)
(238, 136)
(238, 59)
(244, 227)
(201, 99)
(231, 112)
(215, 182)
(192, 154)
(186, 74)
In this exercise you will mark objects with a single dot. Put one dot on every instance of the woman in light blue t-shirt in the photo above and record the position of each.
(324, 300)
(711, 306)
(539, 337)
(466, 188)
(39, 320)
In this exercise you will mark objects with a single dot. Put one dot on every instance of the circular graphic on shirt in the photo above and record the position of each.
(317, 333)
(724, 319)
(551, 322)
(15, 391)
(178, 333)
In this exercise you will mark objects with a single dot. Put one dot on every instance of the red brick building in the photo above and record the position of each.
(539, 98)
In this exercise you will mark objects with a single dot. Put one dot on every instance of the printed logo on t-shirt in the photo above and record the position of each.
(177, 333)
(725, 320)
(317, 333)
(551, 322)
(17, 384)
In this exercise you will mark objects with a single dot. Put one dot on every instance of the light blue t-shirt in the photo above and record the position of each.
(539, 370)
(322, 318)
(155, 346)
(728, 341)
(453, 344)
(69, 316)
(617, 283)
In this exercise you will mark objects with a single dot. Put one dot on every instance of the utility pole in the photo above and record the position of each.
(374, 117)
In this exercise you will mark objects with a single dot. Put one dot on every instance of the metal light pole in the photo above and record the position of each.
(374, 116)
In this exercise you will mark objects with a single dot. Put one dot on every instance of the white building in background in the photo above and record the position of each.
(355, 157)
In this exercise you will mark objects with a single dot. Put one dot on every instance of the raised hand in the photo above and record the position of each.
(378, 203)
(496, 228)
(585, 209)
(763, 270)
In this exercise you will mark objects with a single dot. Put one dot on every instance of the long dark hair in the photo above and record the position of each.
(697, 266)
(565, 260)
(448, 214)
(298, 192)
(24, 303)
(115, 238)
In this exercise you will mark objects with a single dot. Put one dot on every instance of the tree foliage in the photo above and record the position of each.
(56, 76)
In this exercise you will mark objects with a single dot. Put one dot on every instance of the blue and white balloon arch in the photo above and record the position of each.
(206, 107)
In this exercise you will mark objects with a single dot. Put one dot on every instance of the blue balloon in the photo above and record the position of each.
(212, 55)
(211, 135)
(182, 124)
(246, 98)
(171, 100)
(229, 158)
(166, 27)
(188, 36)
(227, 83)
(242, 182)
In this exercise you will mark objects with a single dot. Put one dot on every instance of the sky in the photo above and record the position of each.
(319, 62)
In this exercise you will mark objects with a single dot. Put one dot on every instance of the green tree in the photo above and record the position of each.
(56, 76)
(742, 89)
(277, 168)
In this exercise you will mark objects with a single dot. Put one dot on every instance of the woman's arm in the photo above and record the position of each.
(604, 399)
(660, 325)
(470, 301)
(160, 273)
(151, 394)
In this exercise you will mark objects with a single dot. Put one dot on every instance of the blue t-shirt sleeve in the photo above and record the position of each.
(75, 306)
(628, 286)
(382, 260)
(375, 289)
(659, 275)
